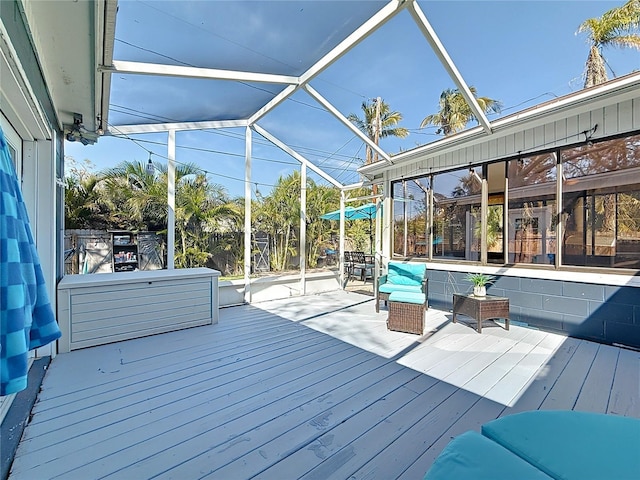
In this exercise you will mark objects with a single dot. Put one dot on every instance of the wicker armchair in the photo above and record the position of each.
(402, 277)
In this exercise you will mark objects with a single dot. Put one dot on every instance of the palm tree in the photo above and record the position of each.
(201, 209)
(138, 198)
(279, 216)
(455, 112)
(83, 207)
(138, 201)
(386, 127)
(614, 28)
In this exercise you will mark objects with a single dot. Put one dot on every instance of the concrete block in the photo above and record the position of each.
(583, 291)
(583, 327)
(534, 285)
(612, 312)
(570, 306)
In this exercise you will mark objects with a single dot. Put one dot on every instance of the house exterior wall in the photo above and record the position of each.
(598, 312)
(576, 301)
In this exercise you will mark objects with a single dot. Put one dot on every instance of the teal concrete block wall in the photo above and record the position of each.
(602, 313)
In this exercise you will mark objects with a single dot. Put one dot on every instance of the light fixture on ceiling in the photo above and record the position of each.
(99, 130)
(474, 174)
(74, 131)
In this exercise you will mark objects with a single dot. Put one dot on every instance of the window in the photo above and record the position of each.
(532, 209)
(600, 211)
(457, 221)
(410, 217)
(601, 193)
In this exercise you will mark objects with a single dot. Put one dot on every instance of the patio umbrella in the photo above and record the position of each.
(363, 212)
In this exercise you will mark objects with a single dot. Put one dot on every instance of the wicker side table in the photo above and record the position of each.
(406, 312)
(481, 308)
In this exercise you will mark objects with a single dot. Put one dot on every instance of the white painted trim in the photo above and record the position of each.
(15, 141)
(16, 95)
(613, 279)
(616, 91)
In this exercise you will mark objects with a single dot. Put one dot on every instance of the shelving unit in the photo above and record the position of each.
(125, 251)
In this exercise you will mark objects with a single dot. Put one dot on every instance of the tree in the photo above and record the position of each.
(455, 112)
(138, 200)
(82, 202)
(320, 200)
(386, 126)
(279, 216)
(616, 29)
(83, 205)
(201, 209)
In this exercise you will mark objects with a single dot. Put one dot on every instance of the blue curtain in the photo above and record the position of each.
(27, 318)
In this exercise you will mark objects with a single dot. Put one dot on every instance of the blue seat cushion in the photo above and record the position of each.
(471, 456)
(572, 445)
(407, 297)
(390, 288)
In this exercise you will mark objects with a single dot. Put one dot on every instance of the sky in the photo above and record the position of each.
(520, 53)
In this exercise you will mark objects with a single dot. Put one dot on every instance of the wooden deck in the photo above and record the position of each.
(308, 387)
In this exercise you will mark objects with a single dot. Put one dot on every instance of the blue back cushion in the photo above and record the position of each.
(406, 273)
(571, 444)
(472, 456)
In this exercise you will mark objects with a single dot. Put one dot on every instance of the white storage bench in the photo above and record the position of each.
(110, 307)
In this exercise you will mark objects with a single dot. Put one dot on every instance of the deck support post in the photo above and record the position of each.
(171, 199)
(303, 228)
(247, 216)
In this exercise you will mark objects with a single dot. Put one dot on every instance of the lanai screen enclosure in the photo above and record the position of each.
(528, 189)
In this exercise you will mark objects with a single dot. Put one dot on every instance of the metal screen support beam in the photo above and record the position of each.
(141, 68)
(303, 229)
(179, 126)
(247, 216)
(342, 265)
(171, 199)
(387, 220)
(281, 145)
(334, 111)
(383, 15)
(438, 48)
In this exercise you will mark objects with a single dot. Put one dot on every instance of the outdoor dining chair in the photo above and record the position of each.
(361, 265)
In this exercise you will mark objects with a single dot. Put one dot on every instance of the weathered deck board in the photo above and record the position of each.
(624, 398)
(312, 387)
